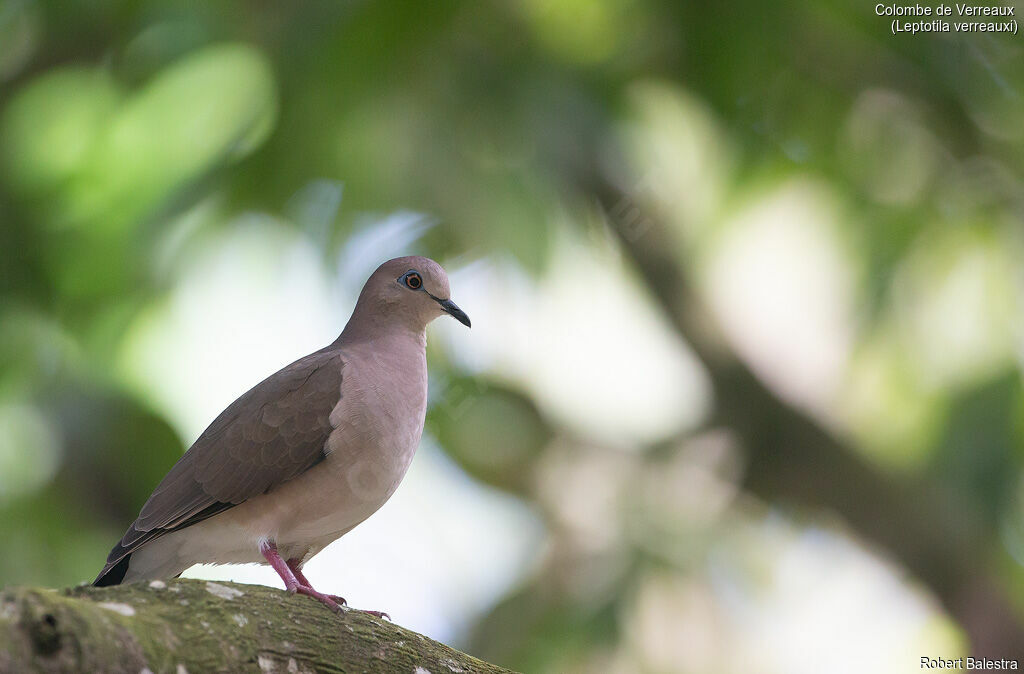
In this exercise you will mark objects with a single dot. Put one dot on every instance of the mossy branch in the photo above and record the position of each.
(198, 626)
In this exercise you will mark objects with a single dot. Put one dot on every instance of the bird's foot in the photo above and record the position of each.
(376, 614)
(325, 599)
(334, 602)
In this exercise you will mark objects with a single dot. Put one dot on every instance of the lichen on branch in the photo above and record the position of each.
(200, 626)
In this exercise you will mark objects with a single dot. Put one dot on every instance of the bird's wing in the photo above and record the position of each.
(274, 432)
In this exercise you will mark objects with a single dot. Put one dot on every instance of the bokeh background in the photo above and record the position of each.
(744, 387)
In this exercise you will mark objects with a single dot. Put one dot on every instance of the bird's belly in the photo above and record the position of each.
(338, 495)
(309, 512)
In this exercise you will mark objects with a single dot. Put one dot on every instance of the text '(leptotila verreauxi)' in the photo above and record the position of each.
(305, 455)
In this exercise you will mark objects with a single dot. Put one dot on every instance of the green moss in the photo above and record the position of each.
(206, 627)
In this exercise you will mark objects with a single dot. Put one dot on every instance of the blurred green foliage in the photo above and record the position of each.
(132, 132)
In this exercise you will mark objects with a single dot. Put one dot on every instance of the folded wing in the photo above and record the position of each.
(273, 433)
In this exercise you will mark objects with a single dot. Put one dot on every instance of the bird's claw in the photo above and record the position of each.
(332, 601)
(325, 599)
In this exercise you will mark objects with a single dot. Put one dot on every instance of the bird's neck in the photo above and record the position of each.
(382, 327)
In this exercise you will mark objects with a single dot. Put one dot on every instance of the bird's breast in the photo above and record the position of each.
(377, 423)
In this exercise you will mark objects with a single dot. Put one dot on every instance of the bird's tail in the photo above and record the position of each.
(113, 573)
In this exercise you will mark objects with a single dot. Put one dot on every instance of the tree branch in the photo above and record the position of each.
(199, 626)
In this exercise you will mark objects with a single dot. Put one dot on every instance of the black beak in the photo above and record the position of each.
(457, 313)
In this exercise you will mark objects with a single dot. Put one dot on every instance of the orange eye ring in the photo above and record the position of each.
(414, 281)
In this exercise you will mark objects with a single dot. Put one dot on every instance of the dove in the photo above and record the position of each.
(307, 454)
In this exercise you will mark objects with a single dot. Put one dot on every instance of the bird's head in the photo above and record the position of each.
(412, 290)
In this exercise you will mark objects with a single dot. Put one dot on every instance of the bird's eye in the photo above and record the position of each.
(414, 281)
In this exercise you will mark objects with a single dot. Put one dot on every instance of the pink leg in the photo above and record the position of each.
(296, 568)
(269, 551)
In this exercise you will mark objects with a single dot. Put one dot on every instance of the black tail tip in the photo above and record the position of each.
(113, 575)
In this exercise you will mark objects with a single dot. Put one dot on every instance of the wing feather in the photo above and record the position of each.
(271, 434)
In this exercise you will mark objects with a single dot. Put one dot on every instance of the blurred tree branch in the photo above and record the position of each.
(790, 457)
(196, 626)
